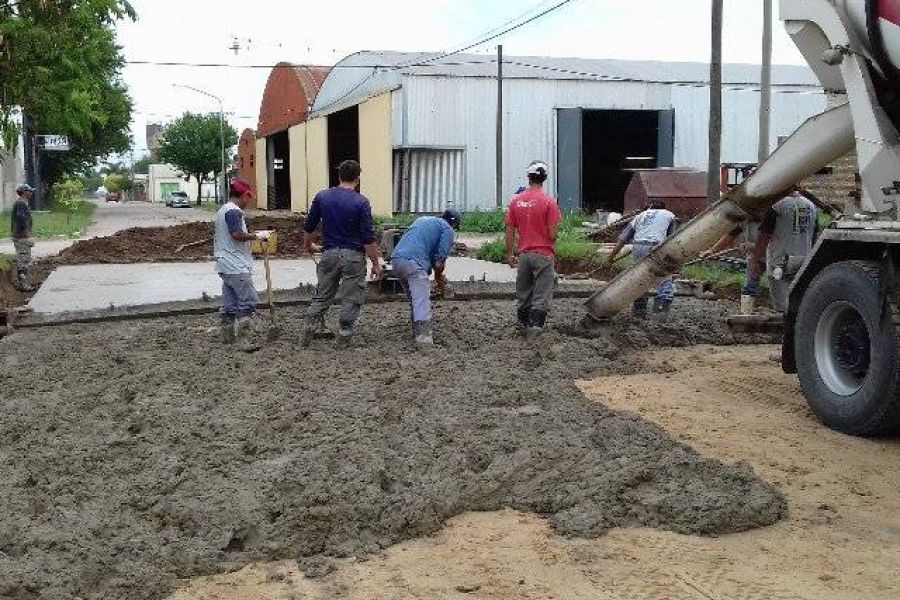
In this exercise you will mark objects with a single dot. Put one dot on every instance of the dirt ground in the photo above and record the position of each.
(137, 454)
(841, 541)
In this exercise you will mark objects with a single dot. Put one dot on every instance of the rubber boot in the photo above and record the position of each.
(522, 317)
(343, 338)
(639, 308)
(536, 321)
(246, 334)
(24, 283)
(661, 310)
(226, 331)
(308, 332)
(424, 338)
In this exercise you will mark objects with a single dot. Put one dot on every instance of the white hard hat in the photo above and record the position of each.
(537, 168)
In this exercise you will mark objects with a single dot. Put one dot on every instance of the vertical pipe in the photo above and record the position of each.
(713, 177)
(765, 98)
(499, 198)
(224, 187)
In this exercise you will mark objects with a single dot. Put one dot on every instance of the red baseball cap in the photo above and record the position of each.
(239, 188)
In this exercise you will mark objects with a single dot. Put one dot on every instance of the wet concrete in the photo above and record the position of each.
(138, 453)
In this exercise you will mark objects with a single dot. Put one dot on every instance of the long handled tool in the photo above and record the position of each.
(275, 330)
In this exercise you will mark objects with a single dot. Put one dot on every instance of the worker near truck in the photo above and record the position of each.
(348, 238)
(425, 247)
(647, 231)
(785, 238)
(234, 264)
(21, 235)
(533, 219)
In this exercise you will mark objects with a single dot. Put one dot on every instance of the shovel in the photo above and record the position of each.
(275, 330)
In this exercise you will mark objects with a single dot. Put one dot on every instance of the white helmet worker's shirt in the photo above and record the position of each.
(653, 226)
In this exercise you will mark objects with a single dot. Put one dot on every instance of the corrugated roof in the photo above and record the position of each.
(368, 73)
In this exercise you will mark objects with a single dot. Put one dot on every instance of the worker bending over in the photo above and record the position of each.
(234, 264)
(534, 218)
(348, 234)
(646, 232)
(424, 247)
(785, 238)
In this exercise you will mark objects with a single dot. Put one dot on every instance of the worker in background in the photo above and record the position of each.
(533, 217)
(647, 231)
(349, 236)
(785, 238)
(21, 235)
(424, 247)
(234, 264)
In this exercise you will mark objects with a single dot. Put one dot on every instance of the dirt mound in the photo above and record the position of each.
(10, 297)
(140, 453)
(161, 244)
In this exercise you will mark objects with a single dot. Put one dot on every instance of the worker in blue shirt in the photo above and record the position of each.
(349, 236)
(424, 248)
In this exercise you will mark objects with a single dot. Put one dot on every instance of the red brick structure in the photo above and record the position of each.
(288, 97)
(246, 161)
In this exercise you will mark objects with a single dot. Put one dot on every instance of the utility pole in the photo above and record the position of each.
(499, 127)
(765, 91)
(714, 174)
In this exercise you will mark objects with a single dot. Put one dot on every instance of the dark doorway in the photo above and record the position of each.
(343, 140)
(597, 150)
(280, 186)
(613, 142)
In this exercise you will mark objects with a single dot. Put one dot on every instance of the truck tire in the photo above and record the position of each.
(847, 349)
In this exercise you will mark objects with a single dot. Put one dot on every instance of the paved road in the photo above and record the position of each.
(112, 217)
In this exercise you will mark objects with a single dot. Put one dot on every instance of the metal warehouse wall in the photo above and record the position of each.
(459, 112)
(740, 122)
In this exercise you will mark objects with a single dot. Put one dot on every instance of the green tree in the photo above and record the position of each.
(118, 182)
(60, 65)
(191, 143)
(142, 165)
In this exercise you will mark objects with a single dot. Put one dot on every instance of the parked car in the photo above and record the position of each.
(178, 200)
(114, 197)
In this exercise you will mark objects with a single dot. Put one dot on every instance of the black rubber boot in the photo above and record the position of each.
(639, 308)
(661, 310)
(523, 316)
(536, 321)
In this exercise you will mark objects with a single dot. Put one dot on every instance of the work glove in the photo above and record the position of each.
(263, 235)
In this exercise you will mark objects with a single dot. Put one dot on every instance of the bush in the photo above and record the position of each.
(67, 195)
(493, 251)
(570, 246)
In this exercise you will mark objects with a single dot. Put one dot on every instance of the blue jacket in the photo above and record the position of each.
(427, 242)
(346, 218)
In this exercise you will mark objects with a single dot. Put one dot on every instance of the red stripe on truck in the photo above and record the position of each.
(889, 10)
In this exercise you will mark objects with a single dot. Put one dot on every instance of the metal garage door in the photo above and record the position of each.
(429, 180)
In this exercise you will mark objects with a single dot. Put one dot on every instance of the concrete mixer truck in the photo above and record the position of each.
(842, 327)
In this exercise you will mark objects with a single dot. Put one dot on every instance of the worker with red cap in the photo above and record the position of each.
(234, 264)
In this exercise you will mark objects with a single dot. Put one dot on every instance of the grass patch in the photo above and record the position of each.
(570, 246)
(478, 221)
(719, 278)
(55, 223)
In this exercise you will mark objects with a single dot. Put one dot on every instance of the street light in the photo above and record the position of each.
(224, 188)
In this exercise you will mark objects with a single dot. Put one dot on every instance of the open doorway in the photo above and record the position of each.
(280, 184)
(598, 150)
(343, 140)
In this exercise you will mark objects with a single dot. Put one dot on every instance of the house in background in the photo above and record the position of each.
(163, 179)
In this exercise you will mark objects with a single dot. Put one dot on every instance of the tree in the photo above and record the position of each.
(191, 143)
(142, 165)
(118, 182)
(60, 66)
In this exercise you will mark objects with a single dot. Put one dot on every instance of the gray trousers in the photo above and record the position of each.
(239, 296)
(534, 282)
(417, 287)
(340, 272)
(23, 254)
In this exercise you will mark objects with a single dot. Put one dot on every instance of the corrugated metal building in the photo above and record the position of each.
(423, 126)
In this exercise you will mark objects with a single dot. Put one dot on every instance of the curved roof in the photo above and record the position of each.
(369, 73)
(289, 94)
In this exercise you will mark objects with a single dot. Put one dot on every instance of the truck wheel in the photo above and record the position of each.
(847, 350)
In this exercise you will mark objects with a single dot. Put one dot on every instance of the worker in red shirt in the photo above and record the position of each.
(534, 218)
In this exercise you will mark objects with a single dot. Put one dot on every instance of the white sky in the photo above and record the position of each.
(309, 31)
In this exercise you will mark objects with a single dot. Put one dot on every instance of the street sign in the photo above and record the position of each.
(53, 143)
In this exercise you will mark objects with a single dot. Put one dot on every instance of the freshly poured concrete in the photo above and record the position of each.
(91, 287)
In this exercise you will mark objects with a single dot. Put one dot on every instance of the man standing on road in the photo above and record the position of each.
(534, 218)
(21, 235)
(234, 264)
(426, 245)
(785, 238)
(349, 237)
(646, 232)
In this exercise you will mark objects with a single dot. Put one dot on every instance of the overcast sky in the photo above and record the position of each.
(306, 31)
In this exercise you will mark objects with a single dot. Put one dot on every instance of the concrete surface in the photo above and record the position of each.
(91, 287)
(112, 217)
